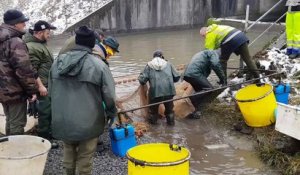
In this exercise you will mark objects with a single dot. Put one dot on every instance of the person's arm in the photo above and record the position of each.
(144, 76)
(108, 93)
(210, 41)
(217, 68)
(175, 74)
(20, 62)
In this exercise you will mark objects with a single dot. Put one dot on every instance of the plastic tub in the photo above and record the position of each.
(257, 104)
(158, 159)
(23, 155)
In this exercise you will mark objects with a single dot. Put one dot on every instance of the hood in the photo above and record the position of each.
(158, 63)
(28, 37)
(7, 31)
(211, 28)
(71, 63)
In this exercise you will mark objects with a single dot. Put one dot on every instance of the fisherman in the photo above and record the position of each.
(161, 75)
(104, 47)
(293, 28)
(196, 74)
(79, 83)
(230, 40)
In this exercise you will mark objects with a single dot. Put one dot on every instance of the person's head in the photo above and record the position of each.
(15, 18)
(111, 45)
(42, 29)
(203, 31)
(158, 53)
(85, 37)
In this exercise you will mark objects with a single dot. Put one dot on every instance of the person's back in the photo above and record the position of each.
(79, 84)
(161, 76)
(202, 63)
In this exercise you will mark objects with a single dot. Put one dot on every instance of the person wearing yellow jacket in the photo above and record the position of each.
(229, 40)
(293, 28)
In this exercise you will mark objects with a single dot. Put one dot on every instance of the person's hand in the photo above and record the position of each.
(111, 121)
(32, 98)
(43, 91)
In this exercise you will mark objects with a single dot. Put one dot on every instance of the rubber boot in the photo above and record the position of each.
(153, 119)
(170, 119)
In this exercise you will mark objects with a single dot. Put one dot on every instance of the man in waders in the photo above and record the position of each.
(293, 28)
(229, 40)
(196, 74)
(161, 76)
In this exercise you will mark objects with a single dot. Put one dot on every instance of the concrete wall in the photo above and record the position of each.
(136, 15)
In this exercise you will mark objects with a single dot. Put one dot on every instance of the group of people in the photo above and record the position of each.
(76, 91)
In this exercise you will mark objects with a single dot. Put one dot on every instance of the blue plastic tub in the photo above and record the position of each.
(282, 92)
(122, 138)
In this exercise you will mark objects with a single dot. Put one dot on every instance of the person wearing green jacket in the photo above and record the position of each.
(161, 75)
(41, 59)
(229, 40)
(78, 85)
(196, 74)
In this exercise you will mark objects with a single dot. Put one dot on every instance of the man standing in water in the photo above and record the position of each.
(161, 76)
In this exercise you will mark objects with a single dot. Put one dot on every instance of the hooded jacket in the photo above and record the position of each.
(40, 56)
(202, 63)
(78, 85)
(17, 78)
(161, 76)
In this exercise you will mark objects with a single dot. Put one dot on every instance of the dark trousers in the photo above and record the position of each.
(201, 84)
(15, 117)
(243, 51)
(168, 105)
(44, 114)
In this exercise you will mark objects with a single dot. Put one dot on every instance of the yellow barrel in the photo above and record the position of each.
(158, 159)
(257, 104)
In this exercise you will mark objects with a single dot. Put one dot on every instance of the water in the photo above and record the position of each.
(179, 46)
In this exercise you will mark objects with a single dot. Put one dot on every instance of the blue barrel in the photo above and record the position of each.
(282, 92)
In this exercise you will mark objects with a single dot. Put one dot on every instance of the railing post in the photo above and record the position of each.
(245, 30)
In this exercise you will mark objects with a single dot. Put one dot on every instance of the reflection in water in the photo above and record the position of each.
(179, 46)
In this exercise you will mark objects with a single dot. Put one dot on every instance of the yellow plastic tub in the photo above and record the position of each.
(257, 104)
(158, 159)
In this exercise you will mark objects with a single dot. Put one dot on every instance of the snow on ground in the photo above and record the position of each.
(274, 58)
(61, 13)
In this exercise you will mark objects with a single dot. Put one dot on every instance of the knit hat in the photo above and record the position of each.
(13, 17)
(111, 42)
(158, 53)
(43, 25)
(85, 37)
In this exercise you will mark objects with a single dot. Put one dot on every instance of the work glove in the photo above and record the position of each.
(32, 109)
